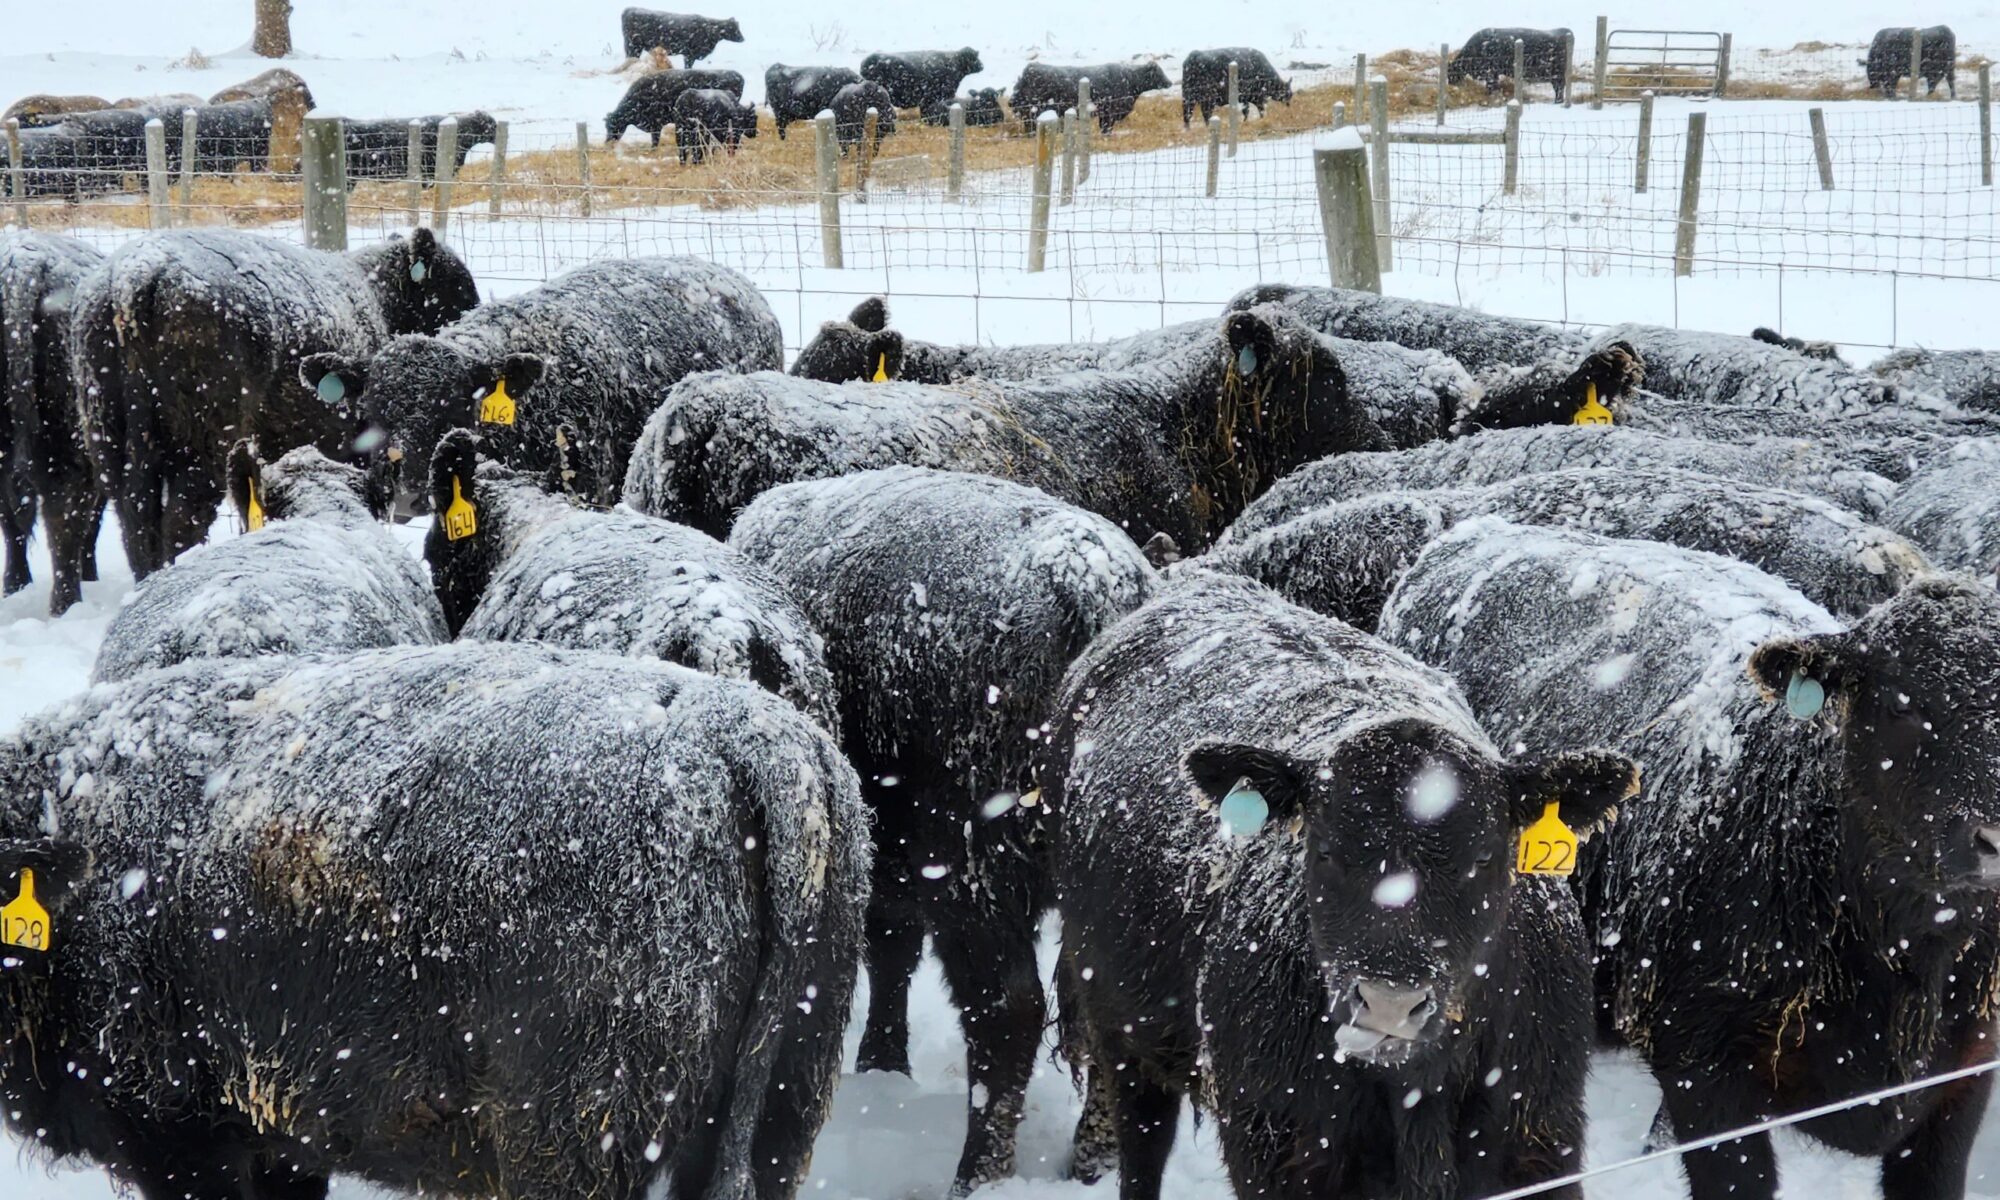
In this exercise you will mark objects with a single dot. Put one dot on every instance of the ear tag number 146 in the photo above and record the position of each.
(1548, 847)
(23, 921)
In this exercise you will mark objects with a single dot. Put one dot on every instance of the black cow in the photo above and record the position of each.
(45, 464)
(1803, 910)
(1488, 56)
(1285, 866)
(693, 38)
(381, 149)
(850, 108)
(1952, 510)
(1114, 89)
(1825, 351)
(951, 605)
(558, 379)
(802, 93)
(649, 102)
(181, 343)
(707, 117)
(983, 108)
(1888, 61)
(475, 919)
(1205, 81)
(920, 78)
(1967, 378)
(861, 347)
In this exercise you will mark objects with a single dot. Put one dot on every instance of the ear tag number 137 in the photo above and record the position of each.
(1548, 847)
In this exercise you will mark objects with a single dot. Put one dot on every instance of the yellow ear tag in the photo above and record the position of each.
(881, 369)
(1592, 413)
(253, 512)
(1547, 847)
(498, 407)
(460, 521)
(23, 922)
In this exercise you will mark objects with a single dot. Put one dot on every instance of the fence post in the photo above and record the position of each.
(447, 172)
(1378, 117)
(157, 214)
(17, 172)
(826, 154)
(1821, 152)
(1597, 68)
(1214, 154)
(1569, 71)
(864, 154)
(955, 168)
(583, 164)
(1690, 195)
(1360, 89)
(323, 176)
(1038, 211)
(1722, 67)
(1986, 124)
(1235, 107)
(188, 163)
(1916, 59)
(1069, 120)
(1346, 215)
(1339, 115)
(1520, 69)
(1444, 79)
(1511, 177)
(1643, 166)
(499, 167)
(415, 173)
(1086, 116)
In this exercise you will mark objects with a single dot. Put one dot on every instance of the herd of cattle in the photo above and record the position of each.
(1286, 654)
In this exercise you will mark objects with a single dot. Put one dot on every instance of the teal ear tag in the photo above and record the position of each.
(331, 390)
(418, 271)
(1804, 696)
(1246, 361)
(1244, 811)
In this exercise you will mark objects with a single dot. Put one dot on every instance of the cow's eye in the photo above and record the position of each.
(1901, 704)
(1484, 860)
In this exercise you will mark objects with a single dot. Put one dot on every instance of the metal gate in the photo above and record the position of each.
(1665, 62)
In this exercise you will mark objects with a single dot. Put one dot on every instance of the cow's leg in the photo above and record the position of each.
(1263, 1159)
(192, 497)
(895, 944)
(281, 1181)
(17, 524)
(87, 565)
(138, 505)
(1744, 1169)
(1931, 1162)
(71, 516)
(1093, 1148)
(1145, 1113)
(988, 954)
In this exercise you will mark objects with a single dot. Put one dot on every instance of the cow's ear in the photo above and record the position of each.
(1234, 775)
(885, 357)
(423, 254)
(337, 380)
(1587, 786)
(1800, 673)
(1253, 343)
(522, 372)
(246, 484)
(871, 315)
(454, 468)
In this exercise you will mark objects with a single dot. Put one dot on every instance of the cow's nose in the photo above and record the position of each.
(1986, 851)
(1396, 1011)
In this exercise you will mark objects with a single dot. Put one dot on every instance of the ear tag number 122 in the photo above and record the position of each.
(1548, 847)
(24, 922)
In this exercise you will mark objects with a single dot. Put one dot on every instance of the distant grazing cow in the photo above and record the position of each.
(1825, 351)
(1888, 61)
(693, 38)
(290, 100)
(982, 106)
(1285, 864)
(1114, 89)
(850, 115)
(1488, 56)
(649, 102)
(381, 149)
(705, 117)
(802, 93)
(919, 78)
(181, 343)
(1205, 81)
(1802, 909)
(44, 464)
(42, 109)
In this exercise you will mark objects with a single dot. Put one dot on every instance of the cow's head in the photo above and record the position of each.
(1149, 78)
(1407, 836)
(728, 30)
(1911, 694)
(968, 62)
(302, 484)
(412, 393)
(861, 348)
(1457, 70)
(423, 285)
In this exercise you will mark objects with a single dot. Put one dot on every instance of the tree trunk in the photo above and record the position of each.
(273, 38)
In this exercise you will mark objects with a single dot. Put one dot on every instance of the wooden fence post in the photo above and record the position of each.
(1569, 71)
(447, 172)
(1642, 168)
(158, 215)
(955, 164)
(323, 177)
(189, 161)
(1690, 195)
(1444, 79)
(583, 164)
(1520, 70)
(17, 174)
(1916, 59)
(1722, 67)
(1234, 92)
(1597, 68)
(1361, 89)
(1347, 217)
(1214, 154)
(1339, 115)
(1986, 124)
(415, 173)
(1046, 128)
(826, 154)
(1821, 152)
(499, 176)
(1378, 117)
(1086, 121)
(1069, 156)
(1511, 174)
(864, 154)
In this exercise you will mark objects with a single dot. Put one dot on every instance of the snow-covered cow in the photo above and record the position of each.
(1952, 509)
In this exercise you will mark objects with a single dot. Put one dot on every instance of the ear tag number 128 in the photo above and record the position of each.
(1548, 847)
(24, 922)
